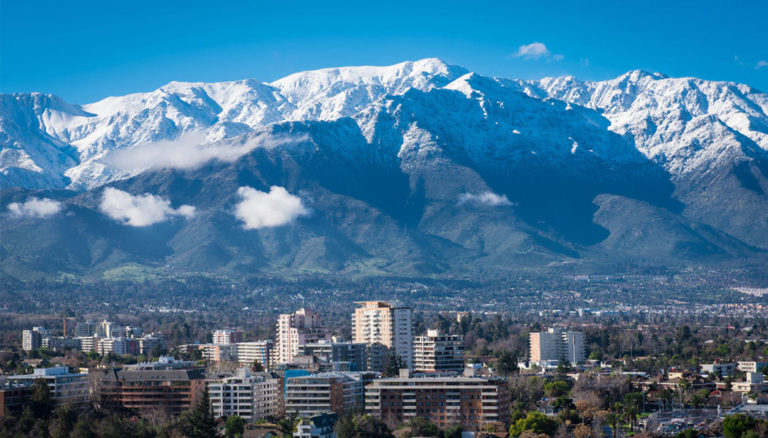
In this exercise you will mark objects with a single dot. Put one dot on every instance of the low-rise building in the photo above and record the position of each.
(325, 392)
(66, 387)
(722, 369)
(250, 396)
(752, 366)
(468, 401)
(753, 383)
(171, 390)
(13, 397)
(319, 426)
(60, 343)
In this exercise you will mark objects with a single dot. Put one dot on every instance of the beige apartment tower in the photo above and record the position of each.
(381, 324)
(557, 344)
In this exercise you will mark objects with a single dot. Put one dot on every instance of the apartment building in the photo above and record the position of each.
(227, 336)
(355, 354)
(752, 366)
(295, 329)
(251, 396)
(170, 390)
(557, 344)
(66, 387)
(379, 323)
(325, 392)
(256, 351)
(437, 352)
(85, 329)
(468, 401)
(60, 343)
(31, 339)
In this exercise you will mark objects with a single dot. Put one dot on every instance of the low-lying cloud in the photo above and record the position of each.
(190, 151)
(140, 210)
(35, 207)
(257, 209)
(484, 199)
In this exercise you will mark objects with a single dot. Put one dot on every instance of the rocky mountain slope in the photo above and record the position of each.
(420, 168)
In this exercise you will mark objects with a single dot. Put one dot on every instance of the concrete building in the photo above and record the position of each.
(60, 343)
(378, 323)
(13, 398)
(251, 396)
(85, 329)
(722, 369)
(356, 354)
(170, 390)
(468, 401)
(66, 387)
(31, 339)
(256, 351)
(295, 329)
(325, 392)
(753, 383)
(227, 336)
(558, 344)
(319, 426)
(752, 366)
(436, 352)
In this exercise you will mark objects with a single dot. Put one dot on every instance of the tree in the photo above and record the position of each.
(687, 433)
(199, 422)
(734, 426)
(393, 365)
(421, 427)
(361, 426)
(83, 428)
(234, 426)
(257, 367)
(42, 402)
(63, 422)
(507, 364)
(536, 422)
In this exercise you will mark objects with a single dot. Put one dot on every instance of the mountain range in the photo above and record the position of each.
(416, 169)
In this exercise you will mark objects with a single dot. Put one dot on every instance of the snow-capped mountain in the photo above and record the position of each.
(420, 167)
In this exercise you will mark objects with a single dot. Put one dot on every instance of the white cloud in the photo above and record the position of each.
(761, 63)
(190, 151)
(35, 207)
(536, 50)
(261, 209)
(484, 199)
(140, 210)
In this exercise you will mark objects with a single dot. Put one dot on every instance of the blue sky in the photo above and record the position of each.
(87, 50)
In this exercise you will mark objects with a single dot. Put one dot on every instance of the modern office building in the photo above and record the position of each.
(436, 352)
(256, 351)
(557, 344)
(295, 329)
(250, 396)
(468, 401)
(378, 323)
(325, 392)
(66, 387)
(169, 390)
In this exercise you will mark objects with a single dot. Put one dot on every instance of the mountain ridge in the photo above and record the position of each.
(420, 168)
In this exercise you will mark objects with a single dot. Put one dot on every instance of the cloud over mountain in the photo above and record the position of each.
(258, 209)
(484, 199)
(35, 207)
(140, 210)
(188, 151)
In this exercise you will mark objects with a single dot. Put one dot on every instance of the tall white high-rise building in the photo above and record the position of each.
(558, 344)
(295, 329)
(381, 323)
